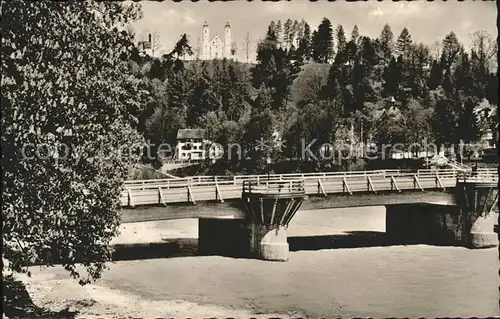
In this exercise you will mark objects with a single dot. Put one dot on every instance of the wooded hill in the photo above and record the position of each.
(318, 84)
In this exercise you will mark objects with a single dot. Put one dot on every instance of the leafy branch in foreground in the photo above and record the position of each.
(66, 86)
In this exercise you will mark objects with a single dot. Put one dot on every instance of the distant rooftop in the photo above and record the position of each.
(188, 133)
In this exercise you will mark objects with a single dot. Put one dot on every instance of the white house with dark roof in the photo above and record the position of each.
(190, 145)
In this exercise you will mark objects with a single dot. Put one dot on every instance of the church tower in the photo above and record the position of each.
(227, 41)
(205, 51)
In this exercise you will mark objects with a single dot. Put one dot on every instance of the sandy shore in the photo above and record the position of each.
(95, 301)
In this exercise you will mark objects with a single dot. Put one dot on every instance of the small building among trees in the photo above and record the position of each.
(190, 145)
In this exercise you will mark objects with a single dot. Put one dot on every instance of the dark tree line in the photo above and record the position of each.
(320, 84)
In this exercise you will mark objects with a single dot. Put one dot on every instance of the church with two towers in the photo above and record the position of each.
(215, 48)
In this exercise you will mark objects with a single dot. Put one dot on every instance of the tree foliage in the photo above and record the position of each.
(387, 42)
(322, 42)
(385, 89)
(67, 89)
(403, 43)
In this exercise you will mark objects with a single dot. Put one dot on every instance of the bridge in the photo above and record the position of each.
(261, 203)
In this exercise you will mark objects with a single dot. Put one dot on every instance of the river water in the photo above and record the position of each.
(353, 278)
(414, 281)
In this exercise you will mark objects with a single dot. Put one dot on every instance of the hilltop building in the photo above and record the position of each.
(215, 48)
(145, 45)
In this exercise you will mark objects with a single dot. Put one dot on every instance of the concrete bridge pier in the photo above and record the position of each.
(269, 207)
(477, 201)
(269, 219)
(267, 243)
(470, 223)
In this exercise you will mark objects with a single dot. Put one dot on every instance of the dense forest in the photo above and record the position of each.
(325, 85)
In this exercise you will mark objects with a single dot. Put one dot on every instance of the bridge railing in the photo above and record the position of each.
(191, 190)
(274, 187)
(480, 175)
(459, 166)
(361, 175)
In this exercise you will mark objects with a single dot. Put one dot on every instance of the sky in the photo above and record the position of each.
(427, 21)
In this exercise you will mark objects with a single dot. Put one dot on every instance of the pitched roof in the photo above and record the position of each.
(216, 40)
(188, 133)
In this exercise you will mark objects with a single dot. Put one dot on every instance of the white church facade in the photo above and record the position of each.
(215, 48)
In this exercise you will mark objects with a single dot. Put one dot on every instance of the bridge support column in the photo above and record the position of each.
(241, 238)
(270, 207)
(268, 243)
(470, 223)
(477, 201)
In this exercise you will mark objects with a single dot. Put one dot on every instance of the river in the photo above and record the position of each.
(383, 281)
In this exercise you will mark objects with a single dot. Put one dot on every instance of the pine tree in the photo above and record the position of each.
(444, 122)
(275, 69)
(361, 88)
(368, 55)
(355, 34)
(304, 47)
(341, 39)
(463, 78)
(451, 51)
(392, 78)
(278, 31)
(287, 33)
(300, 30)
(322, 42)
(387, 41)
(468, 126)
(295, 33)
(332, 88)
(421, 57)
(435, 75)
(271, 27)
(351, 52)
(403, 44)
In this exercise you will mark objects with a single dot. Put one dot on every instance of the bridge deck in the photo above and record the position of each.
(219, 188)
